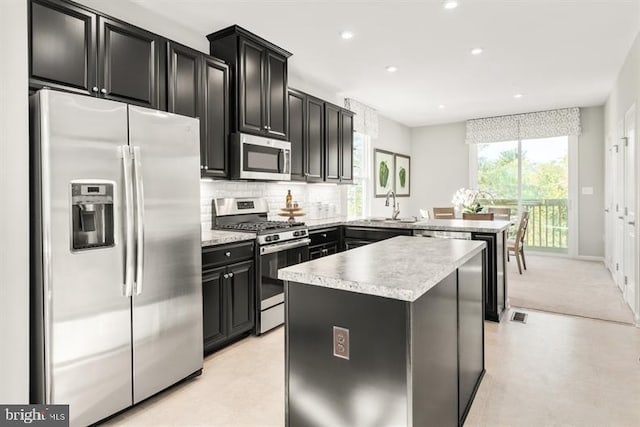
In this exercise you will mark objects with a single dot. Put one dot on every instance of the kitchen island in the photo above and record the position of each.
(387, 334)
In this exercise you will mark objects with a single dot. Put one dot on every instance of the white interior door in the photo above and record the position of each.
(618, 169)
(629, 221)
(609, 222)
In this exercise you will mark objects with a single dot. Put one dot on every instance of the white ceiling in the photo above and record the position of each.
(558, 53)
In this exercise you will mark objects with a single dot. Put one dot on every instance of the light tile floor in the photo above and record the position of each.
(555, 370)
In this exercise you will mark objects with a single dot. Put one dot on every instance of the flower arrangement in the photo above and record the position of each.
(469, 199)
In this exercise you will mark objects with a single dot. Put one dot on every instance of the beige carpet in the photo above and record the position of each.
(567, 286)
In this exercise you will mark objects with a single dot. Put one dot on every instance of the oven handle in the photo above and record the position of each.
(269, 249)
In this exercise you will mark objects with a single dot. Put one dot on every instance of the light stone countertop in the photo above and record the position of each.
(220, 237)
(402, 268)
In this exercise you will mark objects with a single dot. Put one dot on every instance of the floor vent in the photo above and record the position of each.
(519, 317)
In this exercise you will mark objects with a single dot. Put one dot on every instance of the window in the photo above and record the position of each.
(359, 194)
(530, 175)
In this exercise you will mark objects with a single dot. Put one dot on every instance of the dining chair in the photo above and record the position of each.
(517, 245)
(444, 213)
(503, 214)
(478, 216)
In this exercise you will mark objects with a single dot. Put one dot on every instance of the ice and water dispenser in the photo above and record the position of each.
(92, 215)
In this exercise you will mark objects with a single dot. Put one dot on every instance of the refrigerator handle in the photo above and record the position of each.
(137, 172)
(129, 241)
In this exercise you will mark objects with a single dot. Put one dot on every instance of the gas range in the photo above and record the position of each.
(250, 215)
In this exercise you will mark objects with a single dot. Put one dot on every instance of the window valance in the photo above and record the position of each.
(365, 119)
(541, 124)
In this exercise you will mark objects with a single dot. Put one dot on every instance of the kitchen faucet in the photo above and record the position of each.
(396, 206)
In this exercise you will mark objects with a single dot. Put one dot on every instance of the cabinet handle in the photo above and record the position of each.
(206, 167)
(324, 235)
(94, 89)
(230, 274)
(226, 276)
(228, 254)
(103, 91)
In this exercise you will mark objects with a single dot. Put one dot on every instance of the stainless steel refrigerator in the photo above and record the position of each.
(116, 253)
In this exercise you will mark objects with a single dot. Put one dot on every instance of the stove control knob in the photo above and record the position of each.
(268, 238)
(303, 232)
(296, 233)
(276, 237)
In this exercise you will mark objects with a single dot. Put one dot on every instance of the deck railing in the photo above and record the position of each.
(547, 229)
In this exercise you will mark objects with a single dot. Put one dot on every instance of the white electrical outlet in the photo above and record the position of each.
(341, 342)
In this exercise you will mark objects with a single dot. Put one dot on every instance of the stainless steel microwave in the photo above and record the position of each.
(256, 157)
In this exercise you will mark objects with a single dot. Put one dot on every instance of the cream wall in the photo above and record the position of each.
(394, 137)
(441, 165)
(14, 213)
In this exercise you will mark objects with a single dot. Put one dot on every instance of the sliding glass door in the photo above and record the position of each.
(530, 175)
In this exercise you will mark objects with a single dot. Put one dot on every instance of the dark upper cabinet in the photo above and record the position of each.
(130, 63)
(332, 145)
(62, 46)
(76, 49)
(198, 86)
(314, 143)
(276, 95)
(215, 118)
(259, 101)
(346, 146)
(241, 297)
(184, 69)
(297, 129)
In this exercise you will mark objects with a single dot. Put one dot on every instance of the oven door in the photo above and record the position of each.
(272, 258)
(262, 158)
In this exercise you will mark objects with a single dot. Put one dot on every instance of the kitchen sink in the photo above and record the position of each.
(389, 220)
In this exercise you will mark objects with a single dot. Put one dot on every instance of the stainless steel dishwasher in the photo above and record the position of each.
(462, 235)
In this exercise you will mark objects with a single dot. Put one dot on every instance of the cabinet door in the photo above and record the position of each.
(251, 87)
(491, 302)
(183, 80)
(62, 47)
(297, 134)
(316, 252)
(346, 147)
(213, 308)
(129, 62)
(276, 99)
(241, 297)
(214, 123)
(332, 129)
(314, 143)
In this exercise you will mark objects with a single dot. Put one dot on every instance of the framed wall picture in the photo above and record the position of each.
(384, 172)
(402, 166)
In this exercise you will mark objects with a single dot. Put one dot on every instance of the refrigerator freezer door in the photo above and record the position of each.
(167, 305)
(83, 318)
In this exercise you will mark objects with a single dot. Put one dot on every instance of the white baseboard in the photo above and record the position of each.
(578, 257)
(590, 258)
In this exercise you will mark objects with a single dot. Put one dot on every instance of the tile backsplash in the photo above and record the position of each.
(316, 200)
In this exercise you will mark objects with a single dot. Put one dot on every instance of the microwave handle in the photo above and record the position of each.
(281, 161)
(287, 161)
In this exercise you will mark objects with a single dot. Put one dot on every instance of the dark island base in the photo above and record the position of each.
(410, 363)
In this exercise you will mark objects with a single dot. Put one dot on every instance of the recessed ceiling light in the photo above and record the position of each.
(476, 51)
(517, 96)
(346, 35)
(449, 4)
(441, 107)
(392, 69)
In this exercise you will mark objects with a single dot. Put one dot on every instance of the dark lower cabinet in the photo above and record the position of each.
(62, 46)
(130, 63)
(214, 321)
(354, 237)
(241, 285)
(324, 242)
(495, 280)
(76, 49)
(228, 294)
